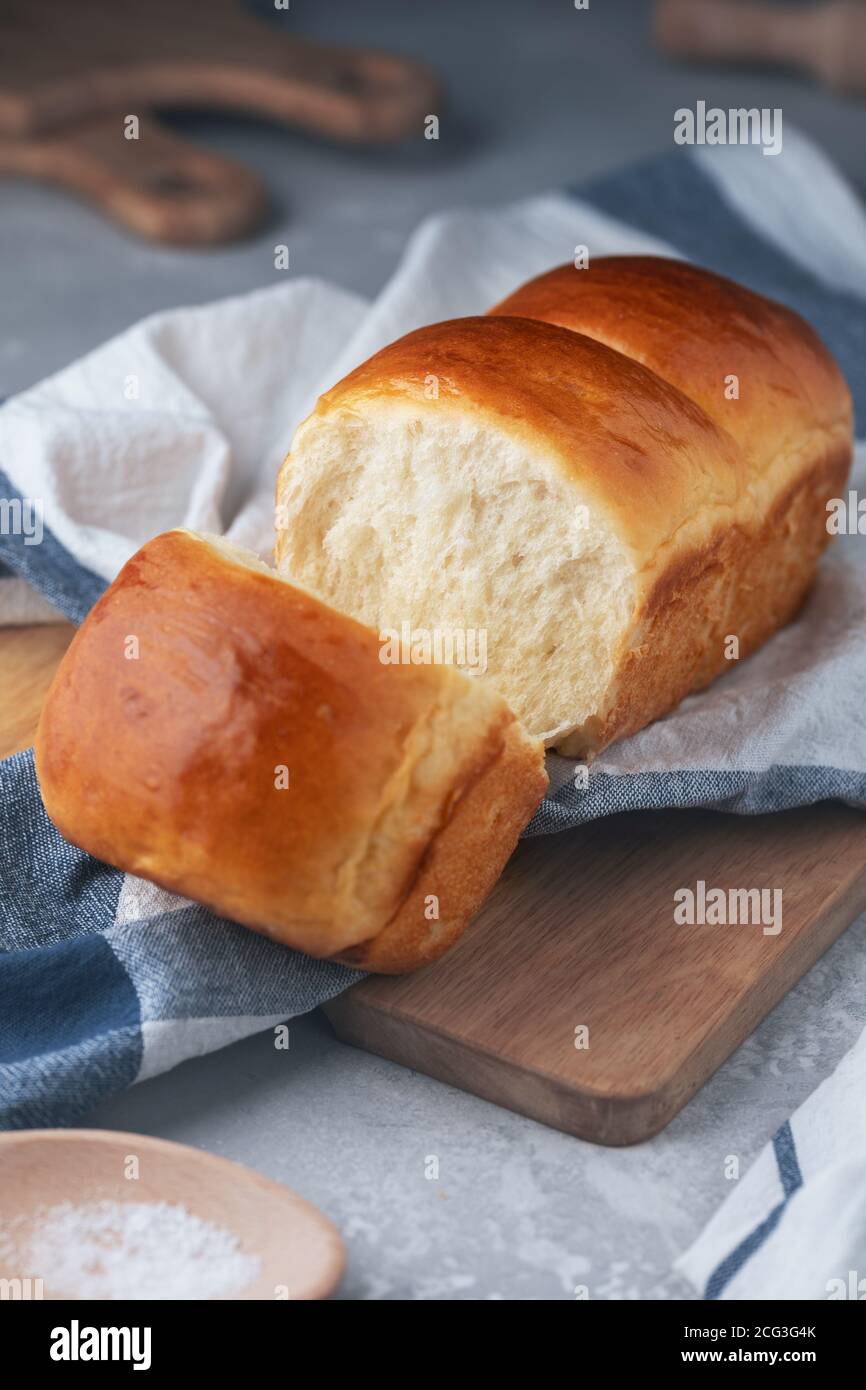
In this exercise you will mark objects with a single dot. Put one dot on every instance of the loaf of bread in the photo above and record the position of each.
(612, 475)
(223, 734)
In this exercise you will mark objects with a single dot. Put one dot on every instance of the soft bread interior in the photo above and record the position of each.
(421, 516)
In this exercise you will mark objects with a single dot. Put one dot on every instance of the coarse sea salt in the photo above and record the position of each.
(138, 1250)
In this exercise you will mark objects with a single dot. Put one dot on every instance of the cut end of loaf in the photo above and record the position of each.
(424, 521)
(256, 756)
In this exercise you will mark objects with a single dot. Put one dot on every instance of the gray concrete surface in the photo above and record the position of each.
(537, 95)
(518, 1211)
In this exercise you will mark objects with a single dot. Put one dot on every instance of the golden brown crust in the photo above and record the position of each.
(168, 762)
(644, 455)
(484, 824)
(793, 420)
(743, 584)
(695, 329)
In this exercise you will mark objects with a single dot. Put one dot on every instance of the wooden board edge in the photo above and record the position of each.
(613, 1121)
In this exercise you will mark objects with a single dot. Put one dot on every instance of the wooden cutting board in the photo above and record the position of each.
(72, 74)
(579, 934)
(29, 656)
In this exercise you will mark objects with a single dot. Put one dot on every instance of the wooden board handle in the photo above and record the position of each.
(827, 40)
(90, 58)
(158, 186)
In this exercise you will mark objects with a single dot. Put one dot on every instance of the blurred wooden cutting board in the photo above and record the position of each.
(579, 934)
(29, 656)
(70, 75)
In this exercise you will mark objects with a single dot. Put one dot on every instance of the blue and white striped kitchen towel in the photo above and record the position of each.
(795, 1226)
(183, 420)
